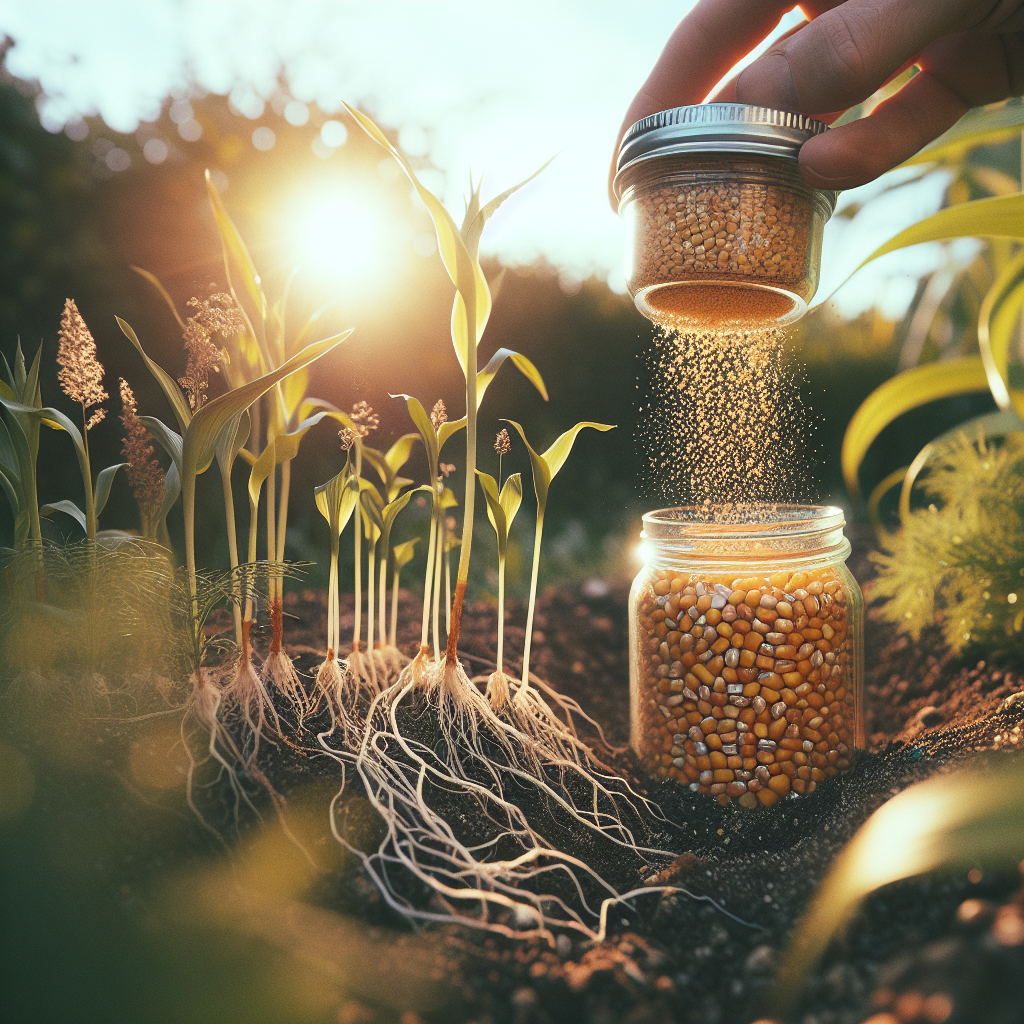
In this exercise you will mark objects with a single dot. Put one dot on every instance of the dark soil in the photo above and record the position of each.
(939, 948)
(943, 947)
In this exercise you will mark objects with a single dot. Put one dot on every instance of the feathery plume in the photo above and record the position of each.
(81, 373)
(503, 443)
(144, 473)
(439, 414)
(217, 315)
(364, 419)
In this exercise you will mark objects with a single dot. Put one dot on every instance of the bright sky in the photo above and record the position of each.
(497, 86)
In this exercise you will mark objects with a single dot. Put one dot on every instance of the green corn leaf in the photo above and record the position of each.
(556, 455)
(546, 466)
(978, 127)
(462, 268)
(421, 421)
(11, 376)
(476, 227)
(69, 508)
(398, 454)
(55, 420)
(261, 469)
(994, 217)
(8, 453)
(403, 553)
(169, 386)
(30, 387)
(447, 499)
(200, 440)
(236, 251)
(448, 430)
(22, 528)
(104, 481)
(172, 491)
(390, 513)
(997, 331)
(371, 507)
(232, 440)
(162, 291)
(511, 497)
(900, 394)
(170, 441)
(11, 485)
(495, 511)
(960, 820)
(525, 367)
(337, 499)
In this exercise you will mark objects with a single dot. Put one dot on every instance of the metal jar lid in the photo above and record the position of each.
(735, 128)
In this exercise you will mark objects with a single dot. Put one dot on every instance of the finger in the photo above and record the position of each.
(727, 92)
(844, 55)
(701, 50)
(959, 72)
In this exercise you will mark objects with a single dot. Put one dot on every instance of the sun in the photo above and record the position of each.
(343, 235)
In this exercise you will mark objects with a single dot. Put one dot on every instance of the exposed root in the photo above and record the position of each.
(333, 680)
(498, 692)
(278, 668)
(359, 669)
(248, 692)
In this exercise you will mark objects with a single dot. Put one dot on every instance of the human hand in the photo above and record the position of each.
(969, 53)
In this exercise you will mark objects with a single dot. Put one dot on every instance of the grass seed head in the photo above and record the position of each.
(439, 414)
(81, 373)
(503, 443)
(216, 315)
(144, 473)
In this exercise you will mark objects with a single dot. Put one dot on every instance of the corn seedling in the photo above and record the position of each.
(19, 451)
(459, 249)
(502, 507)
(337, 500)
(532, 710)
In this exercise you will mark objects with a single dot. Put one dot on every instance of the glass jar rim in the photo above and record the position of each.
(766, 533)
(759, 520)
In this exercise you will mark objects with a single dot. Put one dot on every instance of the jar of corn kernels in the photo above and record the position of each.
(745, 651)
(721, 230)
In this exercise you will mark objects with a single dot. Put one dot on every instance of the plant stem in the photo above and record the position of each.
(357, 628)
(271, 533)
(333, 609)
(429, 577)
(533, 596)
(229, 516)
(371, 566)
(469, 503)
(282, 515)
(438, 555)
(394, 607)
(501, 614)
(90, 498)
(382, 610)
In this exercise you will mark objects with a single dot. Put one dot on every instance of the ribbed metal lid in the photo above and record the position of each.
(735, 128)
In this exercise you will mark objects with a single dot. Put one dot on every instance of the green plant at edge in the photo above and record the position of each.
(960, 820)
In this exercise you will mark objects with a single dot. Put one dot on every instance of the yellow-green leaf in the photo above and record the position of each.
(201, 437)
(403, 553)
(155, 282)
(511, 497)
(236, 249)
(169, 386)
(994, 217)
(521, 363)
(997, 330)
(977, 127)
(959, 820)
(900, 394)
(337, 499)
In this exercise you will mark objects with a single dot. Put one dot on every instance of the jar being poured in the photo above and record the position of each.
(722, 232)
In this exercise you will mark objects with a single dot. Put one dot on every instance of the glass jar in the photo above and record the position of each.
(746, 651)
(721, 230)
